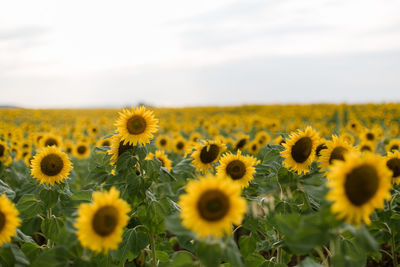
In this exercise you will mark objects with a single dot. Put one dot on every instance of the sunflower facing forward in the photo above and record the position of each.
(210, 206)
(206, 154)
(300, 150)
(9, 220)
(50, 165)
(237, 168)
(101, 222)
(358, 186)
(136, 126)
(393, 163)
(336, 149)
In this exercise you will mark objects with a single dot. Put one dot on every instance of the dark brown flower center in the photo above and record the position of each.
(163, 142)
(136, 125)
(394, 165)
(209, 153)
(337, 154)
(213, 205)
(236, 169)
(365, 148)
(2, 221)
(180, 145)
(361, 184)
(69, 150)
(242, 142)
(51, 164)
(301, 150)
(81, 149)
(51, 142)
(162, 161)
(254, 147)
(123, 148)
(319, 149)
(106, 143)
(105, 220)
(395, 147)
(2, 149)
(370, 136)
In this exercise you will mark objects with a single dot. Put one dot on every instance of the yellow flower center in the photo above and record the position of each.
(136, 125)
(213, 205)
(394, 165)
(209, 153)
(2, 221)
(337, 154)
(51, 165)
(361, 184)
(105, 220)
(302, 149)
(236, 169)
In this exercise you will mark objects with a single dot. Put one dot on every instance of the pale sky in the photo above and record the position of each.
(179, 52)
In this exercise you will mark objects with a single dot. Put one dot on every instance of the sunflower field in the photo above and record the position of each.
(277, 185)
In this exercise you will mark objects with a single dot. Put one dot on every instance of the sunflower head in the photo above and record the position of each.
(210, 206)
(99, 224)
(237, 168)
(82, 150)
(179, 145)
(162, 142)
(50, 165)
(136, 126)
(162, 157)
(300, 150)
(118, 148)
(393, 145)
(9, 220)
(50, 140)
(336, 150)
(206, 154)
(358, 186)
(241, 142)
(393, 163)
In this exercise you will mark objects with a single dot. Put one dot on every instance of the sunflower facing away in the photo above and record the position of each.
(136, 126)
(237, 168)
(99, 224)
(358, 186)
(300, 150)
(50, 165)
(210, 206)
(393, 163)
(9, 220)
(336, 149)
(206, 154)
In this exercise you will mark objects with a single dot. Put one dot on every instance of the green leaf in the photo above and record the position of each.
(174, 224)
(5, 189)
(162, 256)
(209, 254)
(84, 195)
(247, 245)
(152, 215)
(49, 198)
(31, 250)
(133, 242)
(55, 257)
(308, 262)
(232, 253)
(51, 227)
(12, 255)
(29, 206)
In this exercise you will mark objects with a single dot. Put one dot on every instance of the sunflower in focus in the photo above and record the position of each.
(210, 206)
(237, 168)
(206, 154)
(136, 126)
(336, 149)
(300, 150)
(99, 224)
(9, 220)
(82, 150)
(358, 186)
(393, 163)
(50, 165)
(117, 148)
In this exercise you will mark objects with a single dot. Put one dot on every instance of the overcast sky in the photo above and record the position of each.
(180, 52)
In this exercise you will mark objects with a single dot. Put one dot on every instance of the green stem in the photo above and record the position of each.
(153, 249)
(322, 256)
(393, 245)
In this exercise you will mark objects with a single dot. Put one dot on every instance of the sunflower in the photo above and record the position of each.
(321, 146)
(136, 126)
(241, 142)
(366, 146)
(206, 154)
(254, 147)
(279, 140)
(347, 137)
(50, 140)
(179, 145)
(354, 126)
(393, 163)
(117, 148)
(369, 135)
(9, 220)
(162, 142)
(82, 150)
(237, 168)
(210, 206)
(69, 147)
(161, 156)
(3, 151)
(195, 137)
(262, 138)
(104, 142)
(99, 224)
(50, 165)
(358, 186)
(336, 149)
(393, 145)
(300, 150)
